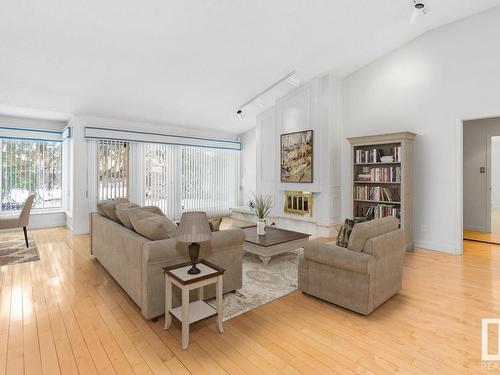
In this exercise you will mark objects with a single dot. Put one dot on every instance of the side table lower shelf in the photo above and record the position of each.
(198, 310)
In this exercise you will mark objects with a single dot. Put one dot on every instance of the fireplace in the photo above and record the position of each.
(298, 203)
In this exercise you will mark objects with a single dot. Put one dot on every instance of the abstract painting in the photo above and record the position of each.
(297, 157)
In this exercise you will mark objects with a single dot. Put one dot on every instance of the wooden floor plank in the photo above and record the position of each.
(65, 314)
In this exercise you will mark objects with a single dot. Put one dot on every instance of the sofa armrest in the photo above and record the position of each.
(389, 243)
(339, 257)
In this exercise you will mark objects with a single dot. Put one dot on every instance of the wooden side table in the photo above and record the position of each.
(189, 313)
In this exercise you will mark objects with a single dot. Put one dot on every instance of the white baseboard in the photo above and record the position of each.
(475, 229)
(437, 247)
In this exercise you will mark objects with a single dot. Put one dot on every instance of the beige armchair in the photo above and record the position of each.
(21, 221)
(362, 276)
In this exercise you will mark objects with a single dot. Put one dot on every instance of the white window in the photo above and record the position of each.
(30, 167)
(112, 169)
(180, 178)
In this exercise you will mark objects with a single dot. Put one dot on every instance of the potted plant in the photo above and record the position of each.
(263, 205)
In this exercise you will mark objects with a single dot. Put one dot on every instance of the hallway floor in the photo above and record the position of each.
(493, 236)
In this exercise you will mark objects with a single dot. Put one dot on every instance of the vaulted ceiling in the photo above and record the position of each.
(192, 62)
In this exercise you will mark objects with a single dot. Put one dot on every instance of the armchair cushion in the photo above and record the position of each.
(335, 256)
(364, 231)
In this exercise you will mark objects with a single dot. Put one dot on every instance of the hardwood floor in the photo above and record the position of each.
(493, 236)
(65, 315)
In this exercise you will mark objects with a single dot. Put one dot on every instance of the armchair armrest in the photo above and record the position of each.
(390, 243)
(339, 257)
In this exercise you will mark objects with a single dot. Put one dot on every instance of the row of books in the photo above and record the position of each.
(376, 193)
(378, 211)
(368, 156)
(387, 174)
(376, 155)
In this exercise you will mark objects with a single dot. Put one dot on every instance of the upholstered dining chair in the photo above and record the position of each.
(21, 221)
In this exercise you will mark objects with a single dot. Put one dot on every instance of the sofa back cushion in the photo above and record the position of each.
(107, 208)
(152, 226)
(123, 211)
(373, 228)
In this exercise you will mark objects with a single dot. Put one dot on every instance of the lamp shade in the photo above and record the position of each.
(194, 227)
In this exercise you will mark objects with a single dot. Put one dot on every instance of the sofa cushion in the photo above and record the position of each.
(122, 210)
(107, 208)
(364, 231)
(123, 213)
(151, 225)
(215, 224)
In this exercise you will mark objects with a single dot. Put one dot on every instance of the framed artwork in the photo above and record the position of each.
(297, 157)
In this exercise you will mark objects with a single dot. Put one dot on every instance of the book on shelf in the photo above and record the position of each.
(387, 159)
(378, 211)
(368, 156)
(376, 155)
(376, 193)
(379, 174)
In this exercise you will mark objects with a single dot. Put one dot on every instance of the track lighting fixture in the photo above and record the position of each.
(287, 78)
(419, 12)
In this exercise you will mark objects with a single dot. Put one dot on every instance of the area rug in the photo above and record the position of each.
(13, 250)
(262, 284)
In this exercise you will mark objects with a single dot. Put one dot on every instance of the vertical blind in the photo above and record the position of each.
(113, 167)
(30, 167)
(209, 180)
(161, 173)
(179, 178)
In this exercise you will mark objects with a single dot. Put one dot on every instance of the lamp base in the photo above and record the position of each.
(194, 251)
(194, 270)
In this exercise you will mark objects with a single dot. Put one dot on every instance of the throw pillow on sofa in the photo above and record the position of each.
(215, 224)
(122, 210)
(152, 226)
(107, 208)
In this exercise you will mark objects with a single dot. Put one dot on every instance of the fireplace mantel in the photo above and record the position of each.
(297, 223)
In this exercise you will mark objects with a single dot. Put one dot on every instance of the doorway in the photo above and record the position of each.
(481, 184)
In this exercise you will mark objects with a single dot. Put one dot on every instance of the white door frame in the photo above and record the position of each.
(460, 177)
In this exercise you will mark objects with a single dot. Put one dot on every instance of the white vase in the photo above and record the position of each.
(261, 227)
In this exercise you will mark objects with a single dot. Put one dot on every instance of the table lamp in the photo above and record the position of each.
(194, 228)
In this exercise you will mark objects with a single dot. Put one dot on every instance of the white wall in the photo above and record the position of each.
(248, 166)
(495, 172)
(427, 87)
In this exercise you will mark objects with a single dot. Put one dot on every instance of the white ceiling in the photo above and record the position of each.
(192, 62)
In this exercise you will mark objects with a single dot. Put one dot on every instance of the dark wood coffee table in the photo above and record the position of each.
(275, 241)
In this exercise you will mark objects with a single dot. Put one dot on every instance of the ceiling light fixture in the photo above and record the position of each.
(419, 12)
(256, 98)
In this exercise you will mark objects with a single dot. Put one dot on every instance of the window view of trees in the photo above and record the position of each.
(112, 161)
(30, 167)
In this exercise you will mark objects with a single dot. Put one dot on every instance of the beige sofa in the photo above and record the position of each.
(136, 263)
(360, 277)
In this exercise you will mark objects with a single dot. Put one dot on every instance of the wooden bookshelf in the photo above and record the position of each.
(388, 178)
